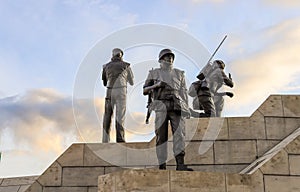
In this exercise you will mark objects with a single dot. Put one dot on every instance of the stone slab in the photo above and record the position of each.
(197, 181)
(294, 163)
(52, 176)
(73, 156)
(135, 180)
(294, 146)
(258, 125)
(282, 183)
(272, 106)
(232, 152)
(140, 154)
(35, 187)
(279, 164)
(90, 158)
(245, 183)
(108, 170)
(23, 188)
(198, 129)
(9, 188)
(111, 153)
(265, 145)
(219, 168)
(65, 189)
(199, 153)
(196, 152)
(18, 180)
(239, 128)
(292, 124)
(275, 128)
(92, 189)
(81, 176)
(291, 105)
(107, 183)
(148, 180)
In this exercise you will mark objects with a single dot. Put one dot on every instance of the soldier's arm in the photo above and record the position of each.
(158, 84)
(183, 91)
(193, 89)
(104, 79)
(228, 81)
(148, 83)
(130, 76)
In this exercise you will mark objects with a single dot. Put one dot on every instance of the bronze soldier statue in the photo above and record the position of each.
(170, 103)
(217, 79)
(205, 91)
(203, 99)
(115, 76)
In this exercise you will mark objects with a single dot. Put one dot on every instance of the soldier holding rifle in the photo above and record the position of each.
(170, 103)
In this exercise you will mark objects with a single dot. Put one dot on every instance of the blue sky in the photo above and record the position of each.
(43, 44)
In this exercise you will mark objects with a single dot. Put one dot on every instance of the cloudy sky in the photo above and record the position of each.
(45, 44)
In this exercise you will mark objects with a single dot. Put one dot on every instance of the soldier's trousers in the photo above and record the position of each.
(219, 104)
(115, 97)
(207, 105)
(161, 131)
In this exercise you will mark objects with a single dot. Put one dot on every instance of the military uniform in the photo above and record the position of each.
(170, 103)
(202, 99)
(216, 80)
(115, 76)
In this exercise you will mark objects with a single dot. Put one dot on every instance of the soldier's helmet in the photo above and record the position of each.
(220, 64)
(164, 52)
(117, 52)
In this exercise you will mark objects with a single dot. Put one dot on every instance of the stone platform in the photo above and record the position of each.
(236, 153)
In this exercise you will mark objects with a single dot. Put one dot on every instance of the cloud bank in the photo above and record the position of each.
(274, 67)
(36, 127)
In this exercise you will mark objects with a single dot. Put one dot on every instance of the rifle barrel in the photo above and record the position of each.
(217, 49)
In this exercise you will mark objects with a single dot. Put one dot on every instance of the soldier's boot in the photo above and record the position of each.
(163, 166)
(180, 164)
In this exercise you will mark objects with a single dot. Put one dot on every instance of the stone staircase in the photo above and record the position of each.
(256, 153)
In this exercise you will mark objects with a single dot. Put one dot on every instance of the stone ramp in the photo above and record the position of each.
(221, 145)
(291, 141)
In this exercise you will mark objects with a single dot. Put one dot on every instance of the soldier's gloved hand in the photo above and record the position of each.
(158, 84)
(161, 84)
(229, 94)
(188, 116)
(229, 76)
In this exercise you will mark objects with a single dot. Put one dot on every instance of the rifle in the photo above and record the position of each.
(207, 69)
(148, 107)
(149, 91)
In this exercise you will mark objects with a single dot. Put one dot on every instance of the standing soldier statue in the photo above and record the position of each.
(170, 103)
(115, 76)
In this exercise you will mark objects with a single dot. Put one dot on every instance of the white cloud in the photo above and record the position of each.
(283, 3)
(269, 70)
(39, 125)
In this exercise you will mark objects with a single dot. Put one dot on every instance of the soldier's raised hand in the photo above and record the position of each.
(229, 94)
